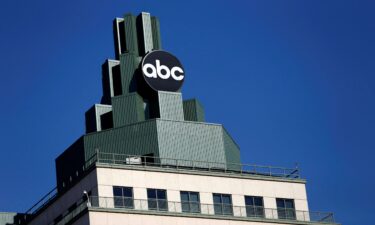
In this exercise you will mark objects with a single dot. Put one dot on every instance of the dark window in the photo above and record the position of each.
(285, 209)
(106, 121)
(223, 204)
(123, 197)
(254, 206)
(157, 199)
(116, 79)
(190, 202)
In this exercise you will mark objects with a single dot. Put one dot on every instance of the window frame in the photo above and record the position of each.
(222, 208)
(126, 202)
(161, 204)
(254, 210)
(190, 205)
(286, 212)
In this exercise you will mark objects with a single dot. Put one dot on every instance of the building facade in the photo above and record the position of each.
(149, 157)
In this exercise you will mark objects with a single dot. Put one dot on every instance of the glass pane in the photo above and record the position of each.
(280, 203)
(152, 204)
(226, 199)
(185, 206)
(119, 202)
(184, 196)
(163, 205)
(258, 201)
(249, 200)
(128, 202)
(218, 209)
(259, 211)
(217, 198)
(128, 192)
(151, 193)
(250, 211)
(281, 213)
(289, 204)
(195, 207)
(227, 209)
(194, 197)
(117, 191)
(290, 214)
(161, 194)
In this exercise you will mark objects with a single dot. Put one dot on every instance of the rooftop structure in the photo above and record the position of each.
(149, 157)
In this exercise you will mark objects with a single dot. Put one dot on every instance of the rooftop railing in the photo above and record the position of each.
(195, 165)
(214, 210)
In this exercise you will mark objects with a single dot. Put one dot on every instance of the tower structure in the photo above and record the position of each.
(134, 119)
(149, 157)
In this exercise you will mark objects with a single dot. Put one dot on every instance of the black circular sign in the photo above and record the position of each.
(162, 71)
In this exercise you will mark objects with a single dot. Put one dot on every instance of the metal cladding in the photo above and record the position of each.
(137, 117)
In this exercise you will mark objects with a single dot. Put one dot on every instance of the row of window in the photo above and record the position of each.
(190, 202)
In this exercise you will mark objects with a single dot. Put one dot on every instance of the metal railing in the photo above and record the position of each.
(182, 164)
(42, 202)
(214, 210)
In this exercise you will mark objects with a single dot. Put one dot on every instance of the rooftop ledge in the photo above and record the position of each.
(149, 163)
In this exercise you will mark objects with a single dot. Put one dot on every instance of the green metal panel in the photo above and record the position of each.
(93, 117)
(144, 27)
(170, 105)
(135, 139)
(190, 141)
(131, 41)
(156, 32)
(110, 76)
(127, 109)
(232, 150)
(7, 218)
(118, 35)
(193, 110)
(128, 65)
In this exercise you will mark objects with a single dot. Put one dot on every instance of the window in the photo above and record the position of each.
(285, 209)
(123, 197)
(157, 199)
(254, 206)
(190, 202)
(223, 204)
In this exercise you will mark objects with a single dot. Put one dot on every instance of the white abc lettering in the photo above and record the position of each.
(146, 68)
(173, 73)
(160, 68)
(162, 71)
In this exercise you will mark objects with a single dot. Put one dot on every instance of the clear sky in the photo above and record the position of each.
(292, 81)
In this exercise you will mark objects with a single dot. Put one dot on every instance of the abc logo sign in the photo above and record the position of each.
(162, 71)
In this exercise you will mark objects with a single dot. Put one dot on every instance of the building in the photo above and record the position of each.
(149, 157)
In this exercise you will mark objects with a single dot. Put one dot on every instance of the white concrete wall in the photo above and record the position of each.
(205, 185)
(69, 198)
(101, 181)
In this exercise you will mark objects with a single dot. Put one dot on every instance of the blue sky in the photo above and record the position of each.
(292, 81)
